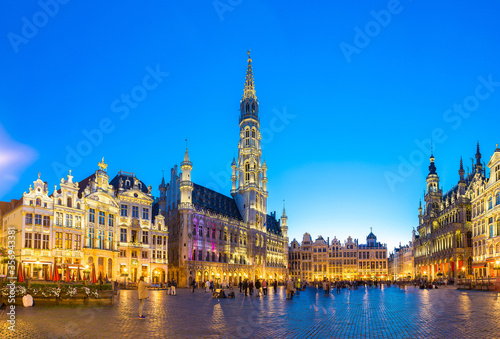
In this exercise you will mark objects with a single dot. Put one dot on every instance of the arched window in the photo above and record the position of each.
(69, 202)
(38, 202)
(247, 137)
(253, 108)
(59, 201)
(248, 108)
(78, 205)
(498, 198)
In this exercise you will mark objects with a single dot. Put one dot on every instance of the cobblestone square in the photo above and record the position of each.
(363, 313)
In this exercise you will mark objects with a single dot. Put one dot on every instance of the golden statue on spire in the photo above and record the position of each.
(102, 165)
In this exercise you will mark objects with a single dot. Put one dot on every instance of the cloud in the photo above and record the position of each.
(14, 159)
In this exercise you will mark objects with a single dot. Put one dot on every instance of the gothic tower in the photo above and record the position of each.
(185, 214)
(249, 174)
(434, 193)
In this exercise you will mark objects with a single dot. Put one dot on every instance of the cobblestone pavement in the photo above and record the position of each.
(363, 313)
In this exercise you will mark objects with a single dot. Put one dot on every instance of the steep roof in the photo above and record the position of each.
(127, 176)
(273, 225)
(215, 202)
(84, 183)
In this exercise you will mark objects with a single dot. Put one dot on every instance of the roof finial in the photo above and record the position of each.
(186, 143)
(249, 91)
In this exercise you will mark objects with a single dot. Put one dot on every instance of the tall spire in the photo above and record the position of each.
(478, 165)
(461, 171)
(249, 92)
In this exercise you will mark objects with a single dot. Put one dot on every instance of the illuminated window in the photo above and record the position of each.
(102, 218)
(29, 219)
(123, 211)
(28, 237)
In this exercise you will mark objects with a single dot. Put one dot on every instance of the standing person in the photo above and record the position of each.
(250, 287)
(275, 286)
(174, 285)
(257, 287)
(142, 290)
(212, 286)
(245, 287)
(264, 286)
(207, 286)
(240, 285)
(169, 285)
(289, 289)
(297, 286)
(193, 283)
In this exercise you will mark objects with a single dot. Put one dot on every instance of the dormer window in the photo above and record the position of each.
(38, 202)
(127, 183)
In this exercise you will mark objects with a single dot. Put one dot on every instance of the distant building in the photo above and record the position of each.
(319, 260)
(401, 262)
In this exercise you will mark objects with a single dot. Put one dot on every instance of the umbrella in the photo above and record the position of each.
(93, 279)
(20, 273)
(55, 275)
(78, 275)
(73, 278)
(68, 278)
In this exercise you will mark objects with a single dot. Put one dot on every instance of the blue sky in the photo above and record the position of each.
(347, 91)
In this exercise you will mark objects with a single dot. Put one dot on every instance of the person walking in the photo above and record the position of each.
(245, 287)
(207, 286)
(264, 286)
(289, 289)
(193, 284)
(174, 285)
(240, 285)
(169, 285)
(142, 290)
(297, 286)
(250, 287)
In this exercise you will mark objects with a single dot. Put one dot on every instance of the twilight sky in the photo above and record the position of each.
(350, 95)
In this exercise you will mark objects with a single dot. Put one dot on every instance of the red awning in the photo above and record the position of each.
(478, 265)
(491, 259)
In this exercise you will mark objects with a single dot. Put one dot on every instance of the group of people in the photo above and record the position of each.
(260, 286)
(171, 287)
